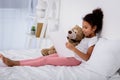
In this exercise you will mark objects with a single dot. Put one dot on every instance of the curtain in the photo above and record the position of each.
(15, 20)
(14, 3)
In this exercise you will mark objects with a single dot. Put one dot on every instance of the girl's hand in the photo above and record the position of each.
(1, 56)
(69, 46)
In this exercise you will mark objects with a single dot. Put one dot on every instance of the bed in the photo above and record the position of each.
(48, 72)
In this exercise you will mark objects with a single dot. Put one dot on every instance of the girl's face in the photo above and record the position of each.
(88, 30)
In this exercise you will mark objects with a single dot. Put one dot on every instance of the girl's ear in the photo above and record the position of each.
(94, 28)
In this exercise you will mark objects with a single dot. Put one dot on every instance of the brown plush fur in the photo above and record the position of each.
(75, 35)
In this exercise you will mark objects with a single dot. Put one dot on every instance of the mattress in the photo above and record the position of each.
(47, 72)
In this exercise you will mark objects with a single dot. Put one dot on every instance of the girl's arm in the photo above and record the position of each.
(83, 55)
(79, 53)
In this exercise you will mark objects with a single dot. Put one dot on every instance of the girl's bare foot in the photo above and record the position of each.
(9, 62)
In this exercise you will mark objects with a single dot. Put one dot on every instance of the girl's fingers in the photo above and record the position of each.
(1, 55)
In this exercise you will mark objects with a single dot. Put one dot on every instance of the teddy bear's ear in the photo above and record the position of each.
(78, 26)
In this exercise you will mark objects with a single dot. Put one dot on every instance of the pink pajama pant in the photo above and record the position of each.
(52, 59)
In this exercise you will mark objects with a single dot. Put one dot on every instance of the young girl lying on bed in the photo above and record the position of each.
(92, 24)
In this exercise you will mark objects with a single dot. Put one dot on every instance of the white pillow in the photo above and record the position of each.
(105, 58)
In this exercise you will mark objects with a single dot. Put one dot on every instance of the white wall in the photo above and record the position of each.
(72, 11)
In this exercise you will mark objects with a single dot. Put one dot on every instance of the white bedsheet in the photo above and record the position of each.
(47, 72)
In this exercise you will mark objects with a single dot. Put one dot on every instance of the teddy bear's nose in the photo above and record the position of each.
(69, 32)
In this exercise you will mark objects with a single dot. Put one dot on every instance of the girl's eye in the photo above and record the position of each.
(85, 27)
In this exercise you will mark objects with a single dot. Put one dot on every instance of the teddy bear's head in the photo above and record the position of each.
(75, 35)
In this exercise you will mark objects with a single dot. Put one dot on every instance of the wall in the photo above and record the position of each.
(72, 11)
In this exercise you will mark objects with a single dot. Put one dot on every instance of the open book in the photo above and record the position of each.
(59, 40)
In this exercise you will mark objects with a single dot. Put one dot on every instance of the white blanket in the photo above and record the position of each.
(47, 72)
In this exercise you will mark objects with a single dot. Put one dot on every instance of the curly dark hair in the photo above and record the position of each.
(95, 19)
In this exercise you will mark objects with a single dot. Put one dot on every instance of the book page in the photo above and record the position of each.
(59, 40)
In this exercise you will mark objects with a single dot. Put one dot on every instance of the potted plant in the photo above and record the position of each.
(33, 30)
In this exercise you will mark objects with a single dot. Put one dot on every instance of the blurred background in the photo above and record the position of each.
(18, 16)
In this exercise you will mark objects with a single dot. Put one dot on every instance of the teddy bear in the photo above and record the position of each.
(48, 51)
(75, 35)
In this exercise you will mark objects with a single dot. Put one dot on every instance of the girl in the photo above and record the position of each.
(92, 24)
